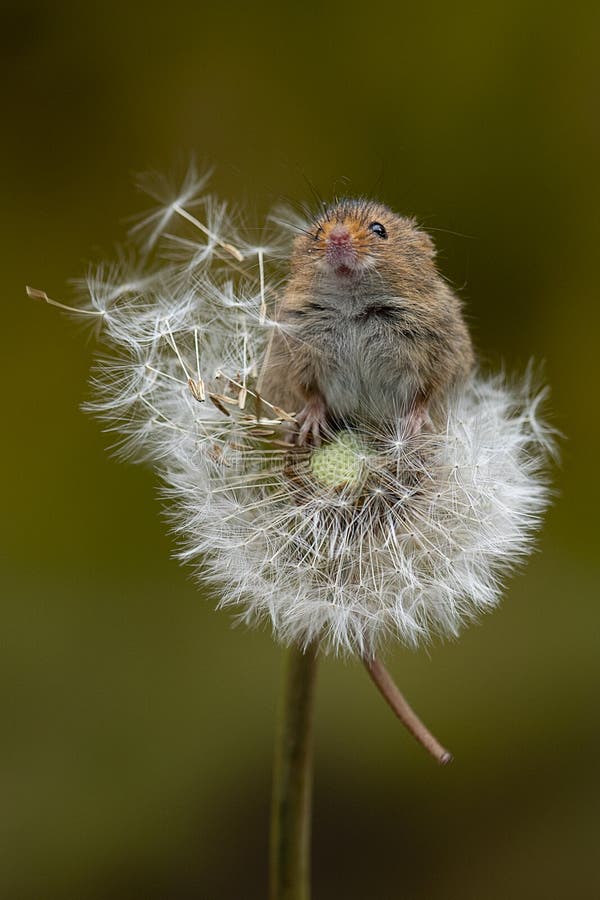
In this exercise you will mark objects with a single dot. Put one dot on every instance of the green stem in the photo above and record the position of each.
(292, 780)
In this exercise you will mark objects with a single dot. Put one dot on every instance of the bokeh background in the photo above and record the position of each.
(137, 725)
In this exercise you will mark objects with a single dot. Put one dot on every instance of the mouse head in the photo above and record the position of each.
(355, 236)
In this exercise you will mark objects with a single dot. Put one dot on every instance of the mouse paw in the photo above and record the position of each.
(312, 420)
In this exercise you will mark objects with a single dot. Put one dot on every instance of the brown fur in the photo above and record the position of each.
(377, 341)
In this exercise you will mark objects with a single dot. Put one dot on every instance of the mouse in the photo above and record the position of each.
(367, 329)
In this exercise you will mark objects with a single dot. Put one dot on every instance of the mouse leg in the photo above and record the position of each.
(312, 419)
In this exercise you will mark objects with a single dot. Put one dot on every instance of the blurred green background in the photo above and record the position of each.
(137, 725)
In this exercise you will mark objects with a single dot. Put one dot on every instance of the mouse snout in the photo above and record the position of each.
(339, 236)
(340, 251)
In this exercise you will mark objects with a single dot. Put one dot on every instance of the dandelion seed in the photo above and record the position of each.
(36, 294)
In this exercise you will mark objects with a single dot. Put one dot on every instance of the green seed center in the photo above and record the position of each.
(340, 463)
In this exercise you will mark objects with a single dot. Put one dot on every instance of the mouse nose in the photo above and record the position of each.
(341, 254)
(339, 236)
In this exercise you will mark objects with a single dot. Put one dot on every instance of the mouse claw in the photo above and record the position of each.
(311, 419)
(312, 427)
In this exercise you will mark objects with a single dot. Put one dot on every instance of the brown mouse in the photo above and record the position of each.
(367, 329)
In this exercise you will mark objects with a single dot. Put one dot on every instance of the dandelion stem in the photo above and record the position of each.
(390, 692)
(292, 780)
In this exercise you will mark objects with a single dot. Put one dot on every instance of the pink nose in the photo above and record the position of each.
(339, 236)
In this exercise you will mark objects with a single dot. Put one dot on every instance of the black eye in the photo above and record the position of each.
(378, 229)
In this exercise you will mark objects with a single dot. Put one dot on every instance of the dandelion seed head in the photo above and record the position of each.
(377, 535)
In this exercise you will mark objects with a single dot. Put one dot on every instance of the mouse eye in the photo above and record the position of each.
(378, 229)
(318, 232)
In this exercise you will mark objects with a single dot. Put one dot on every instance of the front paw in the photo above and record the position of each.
(312, 420)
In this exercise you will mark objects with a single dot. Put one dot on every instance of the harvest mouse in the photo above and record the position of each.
(367, 328)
